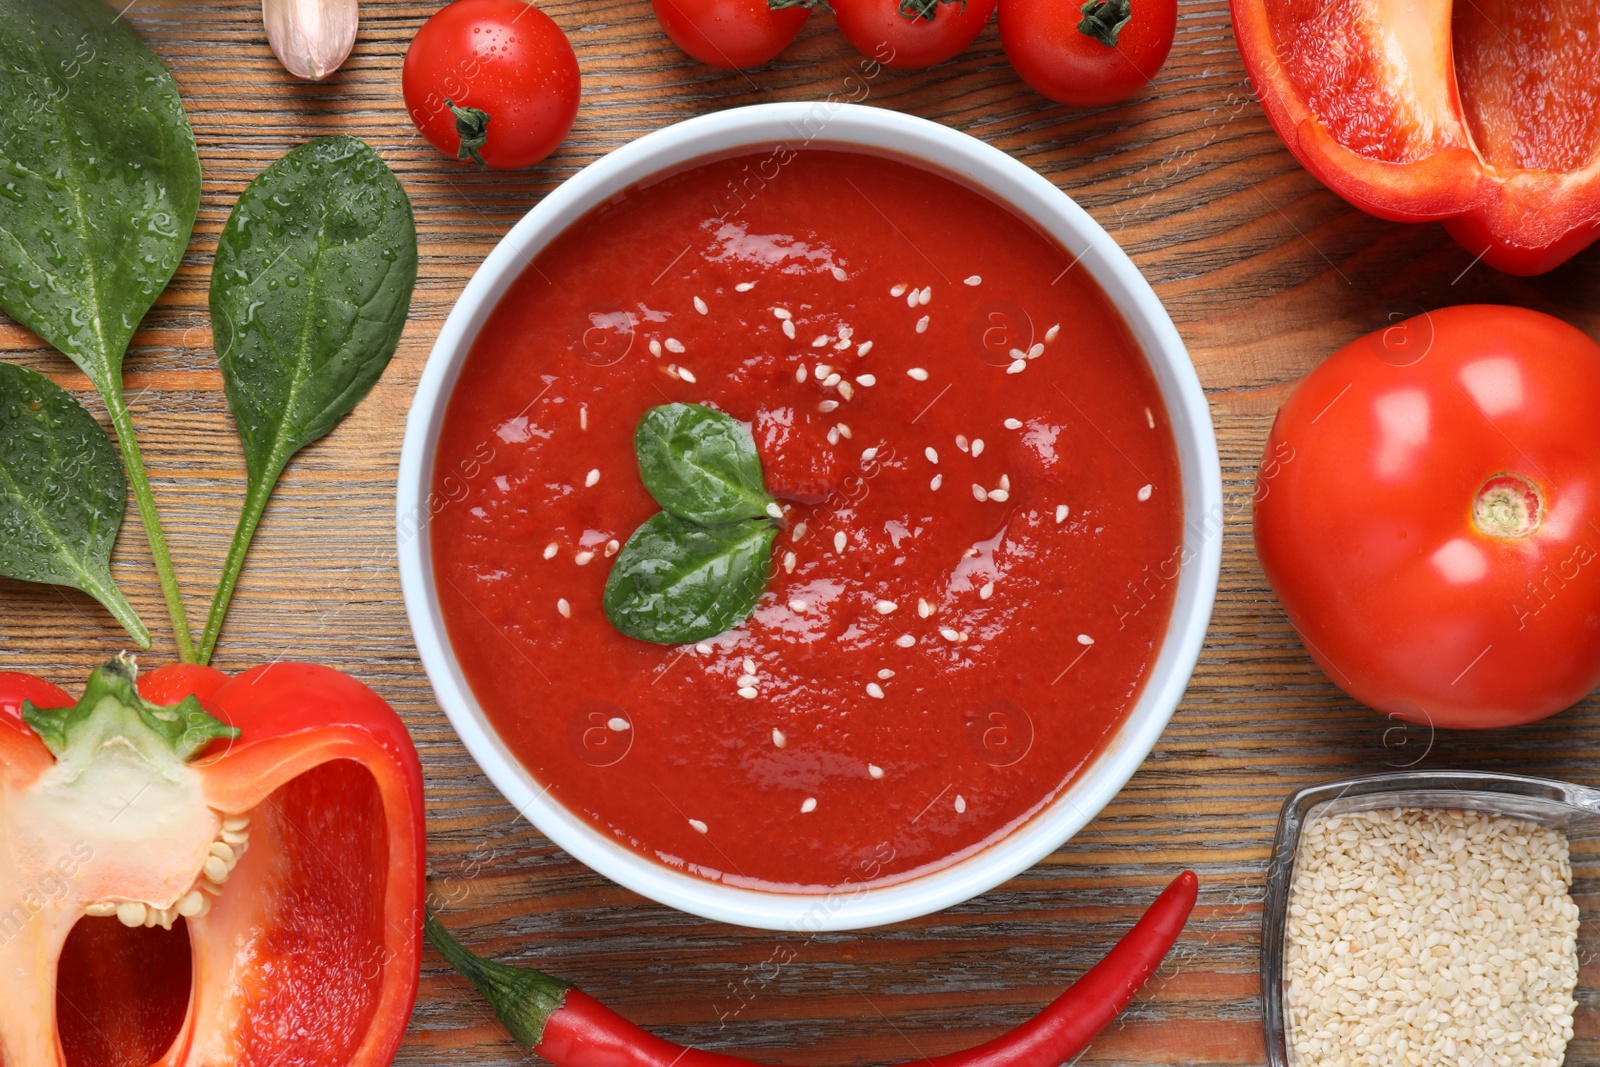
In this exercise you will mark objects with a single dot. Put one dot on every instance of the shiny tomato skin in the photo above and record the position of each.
(1365, 517)
(503, 57)
(878, 30)
(733, 34)
(1056, 59)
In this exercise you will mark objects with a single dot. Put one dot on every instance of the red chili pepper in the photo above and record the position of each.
(571, 1029)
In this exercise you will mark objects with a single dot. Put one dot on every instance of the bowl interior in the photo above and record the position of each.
(1029, 195)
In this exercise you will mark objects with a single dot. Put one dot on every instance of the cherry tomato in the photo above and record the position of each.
(492, 80)
(733, 33)
(1428, 511)
(1097, 53)
(911, 34)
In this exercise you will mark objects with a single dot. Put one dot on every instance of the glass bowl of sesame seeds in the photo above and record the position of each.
(1427, 918)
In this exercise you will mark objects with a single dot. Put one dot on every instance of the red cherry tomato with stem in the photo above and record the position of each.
(733, 34)
(911, 34)
(1428, 511)
(494, 81)
(1098, 53)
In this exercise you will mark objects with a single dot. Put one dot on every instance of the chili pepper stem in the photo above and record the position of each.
(122, 422)
(523, 998)
(255, 505)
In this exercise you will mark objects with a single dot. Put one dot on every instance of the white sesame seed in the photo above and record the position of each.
(799, 607)
(924, 609)
(583, 416)
(788, 329)
(749, 665)
(618, 725)
(1005, 481)
(749, 692)
(747, 680)
(808, 805)
(874, 690)
(833, 435)
(778, 738)
(800, 529)
(820, 340)
(1149, 419)
(827, 406)
(839, 541)
(699, 827)
(1085, 640)
(899, 290)
(917, 374)
(839, 274)
(979, 493)
(1017, 353)
(1145, 491)
(700, 306)
(564, 607)
(977, 447)
(832, 380)
(863, 348)
(885, 674)
(788, 562)
(922, 324)
(582, 558)
(551, 549)
(674, 345)
(703, 648)
(1000, 495)
(744, 287)
(986, 591)
(844, 431)
(823, 372)
(846, 331)
(961, 804)
(1017, 366)
(869, 454)
(935, 482)
(1035, 350)
(1013, 424)
(612, 546)
(905, 640)
(774, 510)
(782, 313)
(932, 454)
(847, 390)
(884, 607)
(1051, 333)
(655, 348)
(684, 373)
(974, 280)
(592, 478)
(949, 634)
(866, 381)
(913, 298)
(962, 442)
(1061, 513)
(800, 374)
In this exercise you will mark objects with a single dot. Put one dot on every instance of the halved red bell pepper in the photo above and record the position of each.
(1482, 114)
(216, 872)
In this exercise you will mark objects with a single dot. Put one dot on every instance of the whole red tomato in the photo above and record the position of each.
(492, 80)
(1428, 511)
(1097, 53)
(733, 33)
(911, 34)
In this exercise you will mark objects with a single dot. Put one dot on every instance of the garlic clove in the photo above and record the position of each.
(310, 37)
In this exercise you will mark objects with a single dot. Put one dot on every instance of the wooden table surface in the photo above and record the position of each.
(1264, 272)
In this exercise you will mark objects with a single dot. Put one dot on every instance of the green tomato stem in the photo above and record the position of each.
(255, 504)
(122, 422)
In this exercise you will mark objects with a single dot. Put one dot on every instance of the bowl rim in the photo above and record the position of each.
(1026, 193)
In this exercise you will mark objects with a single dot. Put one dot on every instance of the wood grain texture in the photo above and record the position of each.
(1264, 272)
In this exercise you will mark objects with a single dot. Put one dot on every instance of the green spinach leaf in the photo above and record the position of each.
(62, 496)
(675, 582)
(309, 294)
(700, 464)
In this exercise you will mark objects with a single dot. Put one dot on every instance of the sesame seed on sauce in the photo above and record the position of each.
(808, 805)
(674, 346)
(917, 374)
(885, 607)
(827, 406)
(987, 591)
(922, 324)
(744, 287)
(839, 541)
(747, 679)
(749, 692)
(820, 340)
(979, 493)
(899, 290)
(564, 608)
(1000, 495)
(932, 454)
(582, 558)
(703, 648)
(924, 608)
(788, 329)
(551, 549)
(935, 482)
(847, 390)
(1051, 334)
(833, 378)
(905, 640)
(778, 737)
(977, 447)
(875, 770)
(749, 665)
(949, 635)
(773, 510)
(592, 478)
(927, 295)
(874, 690)
(1005, 481)
(1085, 640)
(885, 674)
(583, 416)
(1061, 513)
(823, 372)
(962, 443)
(1144, 492)
(914, 298)
(655, 348)
(866, 381)
(1149, 419)
(1036, 350)
(1013, 424)
(799, 607)
(800, 373)
(782, 313)
(840, 275)
(961, 804)
(800, 529)
(1017, 366)
(863, 348)
(833, 435)
(700, 306)
(612, 547)
(788, 562)
(618, 725)
(684, 373)
(974, 280)
(844, 431)
(869, 454)
(699, 827)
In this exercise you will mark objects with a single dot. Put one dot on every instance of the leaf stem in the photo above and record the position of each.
(112, 600)
(122, 422)
(255, 504)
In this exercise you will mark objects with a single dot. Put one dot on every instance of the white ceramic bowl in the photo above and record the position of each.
(1052, 211)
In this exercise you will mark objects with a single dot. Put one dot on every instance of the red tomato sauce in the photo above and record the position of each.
(927, 669)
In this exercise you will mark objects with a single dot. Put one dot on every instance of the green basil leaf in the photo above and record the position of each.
(99, 179)
(62, 496)
(309, 294)
(700, 464)
(675, 582)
